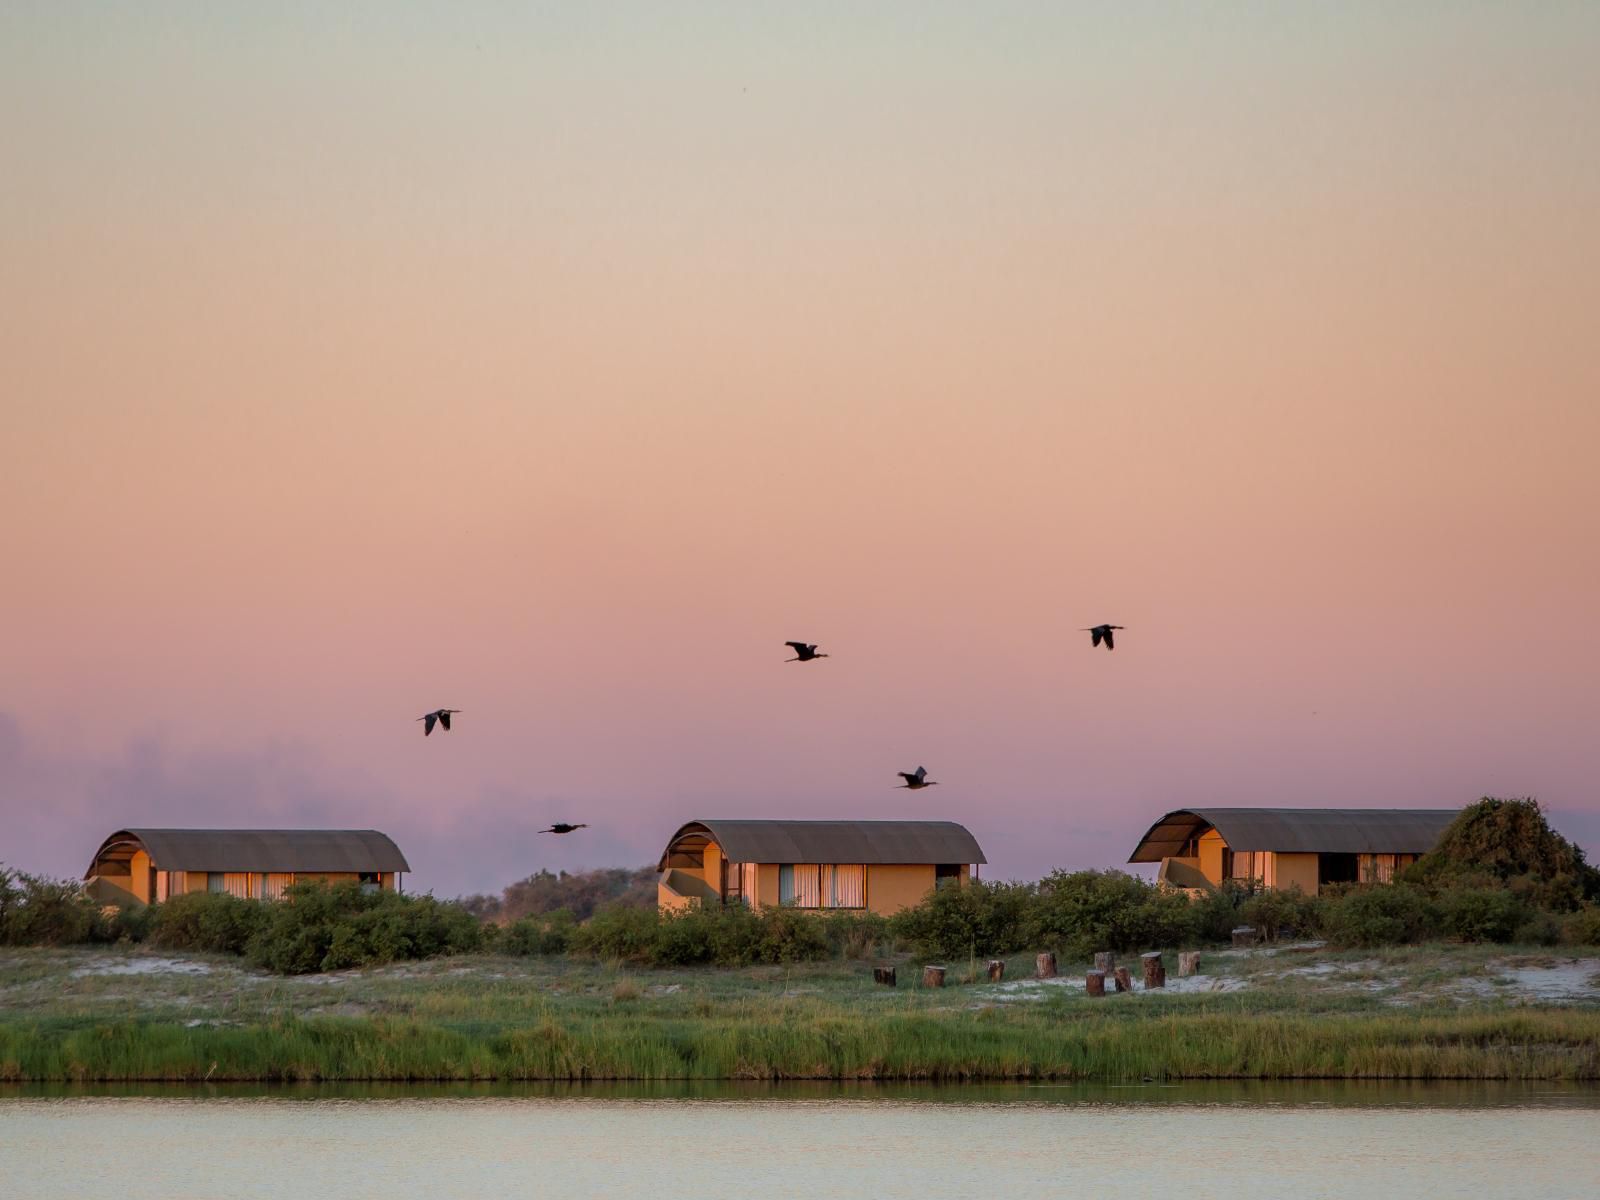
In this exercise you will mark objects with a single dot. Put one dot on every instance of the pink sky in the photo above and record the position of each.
(559, 369)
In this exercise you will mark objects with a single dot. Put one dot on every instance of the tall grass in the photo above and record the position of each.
(788, 1040)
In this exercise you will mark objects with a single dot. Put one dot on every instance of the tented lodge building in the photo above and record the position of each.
(145, 866)
(872, 866)
(1285, 847)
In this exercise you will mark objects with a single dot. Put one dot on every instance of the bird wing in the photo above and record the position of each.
(1110, 641)
(1097, 634)
(797, 647)
(907, 776)
(922, 773)
(444, 719)
(427, 728)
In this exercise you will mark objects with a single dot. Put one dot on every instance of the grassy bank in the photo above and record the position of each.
(1424, 1013)
(821, 1045)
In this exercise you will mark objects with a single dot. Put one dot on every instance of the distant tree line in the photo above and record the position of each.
(578, 892)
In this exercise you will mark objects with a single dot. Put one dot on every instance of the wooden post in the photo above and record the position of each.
(1045, 965)
(1188, 962)
(932, 976)
(1155, 974)
(1124, 980)
(997, 970)
(1094, 983)
(1245, 935)
(883, 975)
(1105, 961)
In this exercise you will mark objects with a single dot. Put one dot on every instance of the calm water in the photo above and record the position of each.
(1233, 1141)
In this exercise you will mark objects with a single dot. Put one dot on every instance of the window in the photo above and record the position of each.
(370, 881)
(216, 882)
(846, 886)
(800, 884)
(946, 875)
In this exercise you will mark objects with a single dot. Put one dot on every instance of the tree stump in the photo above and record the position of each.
(932, 976)
(1094, 983)
(883, 975)
(1245, 935)
(997, 970)
(1124, 980)
(1105, 961)
(1188, 962)
(1045, 965)
(1155, 974)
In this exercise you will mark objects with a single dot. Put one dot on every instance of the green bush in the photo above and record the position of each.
(1215, 915)
(1082, 912)
(1382, 914)
(618, 932)
(318, 927)
(978, 919)
(729, 937)
(1509, 841)
(212, 922)
(543, 935)
(1275, 911)
(1582, 928)
(38, 911)
(1485, 914)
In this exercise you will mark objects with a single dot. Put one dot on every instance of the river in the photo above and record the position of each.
(1233, 1141)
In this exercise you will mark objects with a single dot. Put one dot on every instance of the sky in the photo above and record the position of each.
(558, 363)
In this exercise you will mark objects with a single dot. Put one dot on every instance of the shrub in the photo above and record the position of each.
(1582, 928)
(318, 927)
(978, 919)
(730, 937)
(618, 932)
(1085, 911)
(1484, 914)
(1384, 914)
(549, 934)
(211, 922)
(1214, 916)
(1509, 840)
(38, 911)
(1278, 910)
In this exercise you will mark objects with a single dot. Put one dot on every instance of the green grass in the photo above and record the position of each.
(481, 1018)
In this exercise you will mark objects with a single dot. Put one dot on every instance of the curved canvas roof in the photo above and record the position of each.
(832, 841)
(332, 850)
(1300, 830)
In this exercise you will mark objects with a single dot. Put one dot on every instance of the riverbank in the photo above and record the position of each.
(1422, 1013)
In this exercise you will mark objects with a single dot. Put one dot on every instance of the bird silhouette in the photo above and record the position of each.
(441, 715)
(562, 827)
(917, 779)
(803, 652)
(1103, 632)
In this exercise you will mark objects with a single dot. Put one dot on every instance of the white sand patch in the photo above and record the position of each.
(143, 965)
(1038, 989)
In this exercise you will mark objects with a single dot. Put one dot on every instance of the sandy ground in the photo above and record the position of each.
(1540, 979)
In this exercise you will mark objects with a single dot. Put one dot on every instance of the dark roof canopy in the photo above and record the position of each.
(830, 841)
(285, 850)
(1300, 830)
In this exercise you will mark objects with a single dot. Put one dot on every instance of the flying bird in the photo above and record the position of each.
(562, 827)
(802, 652)
(441, 715)
(917, 779)
(1103, 632)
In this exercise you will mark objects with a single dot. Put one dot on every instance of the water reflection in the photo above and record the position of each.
(1247, 1093)
(1221, 1141)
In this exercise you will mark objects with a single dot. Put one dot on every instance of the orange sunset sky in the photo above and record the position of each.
(557, 363)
